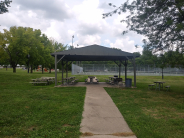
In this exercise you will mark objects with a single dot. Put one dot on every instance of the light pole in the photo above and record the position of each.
(72, 40)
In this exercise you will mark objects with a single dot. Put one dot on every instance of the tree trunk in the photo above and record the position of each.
(28, 69)
(6, 68)
(31, 68)
(42, 69)
(49, 70)
(14, 69)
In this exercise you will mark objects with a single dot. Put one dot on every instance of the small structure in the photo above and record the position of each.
(94, 53)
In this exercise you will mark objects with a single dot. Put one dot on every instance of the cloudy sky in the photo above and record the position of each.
(61, 19)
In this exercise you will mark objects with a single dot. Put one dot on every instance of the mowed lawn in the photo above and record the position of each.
(45, 111)
(38, 111)
(150, 113)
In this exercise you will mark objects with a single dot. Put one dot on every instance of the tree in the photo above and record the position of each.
(4, 5)
(161, 21)
(34, 57)
(57, 47)
(18, 42)
(147, 57)
(162, 63)
(3, 58)
(48, 48)
(174, 58)
(137, 54)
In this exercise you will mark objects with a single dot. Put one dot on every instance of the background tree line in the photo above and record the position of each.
(29, 47)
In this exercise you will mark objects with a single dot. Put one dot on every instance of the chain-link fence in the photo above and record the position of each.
(113, 69)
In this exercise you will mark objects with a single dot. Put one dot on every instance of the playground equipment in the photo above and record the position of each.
(40, 69)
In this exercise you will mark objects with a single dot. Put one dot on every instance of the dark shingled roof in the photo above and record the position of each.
(93, 53)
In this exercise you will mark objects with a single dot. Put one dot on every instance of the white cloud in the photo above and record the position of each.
(125, 44)
(87, 40)
(61, 19)
(55, 9)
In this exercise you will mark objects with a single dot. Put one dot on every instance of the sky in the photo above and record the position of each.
(62, 19)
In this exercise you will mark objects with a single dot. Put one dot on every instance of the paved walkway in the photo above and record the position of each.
(101, 117)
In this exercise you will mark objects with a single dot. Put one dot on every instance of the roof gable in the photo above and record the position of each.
(93, 53)
(94, 50)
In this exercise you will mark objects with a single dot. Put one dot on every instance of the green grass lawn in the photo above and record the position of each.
(150, 113)
(38, 111)
(45, 111)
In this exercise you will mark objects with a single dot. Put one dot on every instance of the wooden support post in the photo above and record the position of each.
(120, 70)
(55, 70)
(125, 70)
(62, 70)
(66, 69)
(134, 71)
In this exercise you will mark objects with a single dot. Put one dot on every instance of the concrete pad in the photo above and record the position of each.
(98, 102)
(98, 111)
(104, 125)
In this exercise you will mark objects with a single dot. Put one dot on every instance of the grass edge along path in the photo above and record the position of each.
(38, 111)
(151, 114)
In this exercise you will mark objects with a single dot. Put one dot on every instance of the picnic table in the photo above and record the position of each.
(49, 78)
(70, 80)
(43, 80)
(159, 84)
(113, 80)
(91, 79)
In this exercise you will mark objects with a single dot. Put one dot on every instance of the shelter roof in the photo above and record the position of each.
(93, 53)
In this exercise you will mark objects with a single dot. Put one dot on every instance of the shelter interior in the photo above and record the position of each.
(94, 53)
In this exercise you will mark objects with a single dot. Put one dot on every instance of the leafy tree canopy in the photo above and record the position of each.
(161, 21)
(4, 5)
(17, 43)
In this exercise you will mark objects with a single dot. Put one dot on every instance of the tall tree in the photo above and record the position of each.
(174, 58)
(161, 21)
(35, 49)
(3, 57)
(48, 48)
(51, 46)
(18, 42)
(147, 57)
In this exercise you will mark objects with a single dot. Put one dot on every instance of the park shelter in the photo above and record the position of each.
(94, 53)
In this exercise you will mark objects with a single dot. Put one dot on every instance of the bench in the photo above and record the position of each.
(107, 80)
(117, 80)
(151, 85)
(74, 81)
(51, 81)
(46, 83)
(168, 88)
(111, 82)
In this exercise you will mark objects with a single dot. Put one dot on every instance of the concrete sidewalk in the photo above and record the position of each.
(101, 117)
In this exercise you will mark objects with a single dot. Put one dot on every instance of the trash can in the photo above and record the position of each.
(128, 82)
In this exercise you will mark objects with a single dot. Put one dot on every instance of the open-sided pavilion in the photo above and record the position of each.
(94, 53)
